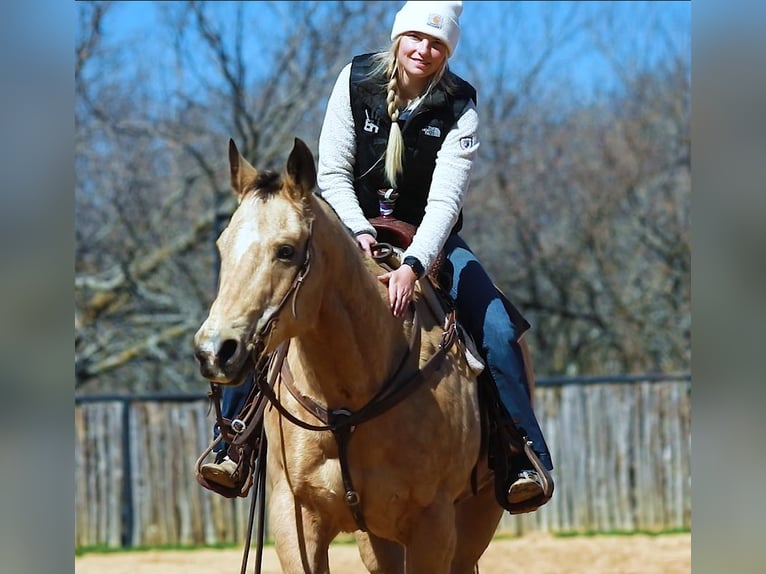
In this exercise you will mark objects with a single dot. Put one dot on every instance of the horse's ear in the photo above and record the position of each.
(300, 167)
(242, 173)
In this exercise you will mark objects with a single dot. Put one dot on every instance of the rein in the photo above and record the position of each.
(342, 422)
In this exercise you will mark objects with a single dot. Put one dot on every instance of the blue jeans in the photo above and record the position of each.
(482, 311)
(233, 400)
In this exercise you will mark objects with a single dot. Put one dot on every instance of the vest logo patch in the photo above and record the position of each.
(369, 123)
(432, 131)
(465, 143)
(435, 20)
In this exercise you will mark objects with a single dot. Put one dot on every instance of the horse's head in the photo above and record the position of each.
(265, 255)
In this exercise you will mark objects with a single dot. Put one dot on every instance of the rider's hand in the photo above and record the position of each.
(366, 241)
(401, 287)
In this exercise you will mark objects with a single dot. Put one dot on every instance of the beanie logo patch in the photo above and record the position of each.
(435, 21)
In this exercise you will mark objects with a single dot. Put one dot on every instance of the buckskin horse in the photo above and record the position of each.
(376, 428)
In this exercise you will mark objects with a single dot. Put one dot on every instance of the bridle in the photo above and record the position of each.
(259, 341)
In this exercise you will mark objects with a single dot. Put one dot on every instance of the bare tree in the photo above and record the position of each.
(152, 189)
(590, 206)
(579, 206)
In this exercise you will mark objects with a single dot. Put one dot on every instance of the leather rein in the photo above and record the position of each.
(342, 422)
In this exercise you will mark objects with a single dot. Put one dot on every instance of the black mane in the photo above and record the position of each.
(266, 184)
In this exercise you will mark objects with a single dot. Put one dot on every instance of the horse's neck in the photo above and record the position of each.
(356, 344)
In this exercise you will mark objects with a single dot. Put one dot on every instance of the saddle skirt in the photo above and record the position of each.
(440, 308)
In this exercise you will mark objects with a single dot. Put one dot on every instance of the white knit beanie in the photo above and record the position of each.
(437, 19)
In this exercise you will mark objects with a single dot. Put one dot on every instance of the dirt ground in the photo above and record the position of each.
(537, 553)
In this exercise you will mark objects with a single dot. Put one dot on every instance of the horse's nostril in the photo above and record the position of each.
(228, 349)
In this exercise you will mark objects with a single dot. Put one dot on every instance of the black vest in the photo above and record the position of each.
(423, 132)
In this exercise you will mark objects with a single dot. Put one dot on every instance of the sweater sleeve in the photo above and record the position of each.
(448, 187)
(337, 151)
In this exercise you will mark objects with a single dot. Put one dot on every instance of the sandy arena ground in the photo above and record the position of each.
(534, 553)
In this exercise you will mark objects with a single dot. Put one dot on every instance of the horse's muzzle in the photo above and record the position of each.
(221, 358)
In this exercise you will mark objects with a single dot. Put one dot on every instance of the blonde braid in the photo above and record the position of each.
(395, 146)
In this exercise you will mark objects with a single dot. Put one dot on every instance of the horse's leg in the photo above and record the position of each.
(380, 556)
(476, 520)
(431, 541)
(301, 538)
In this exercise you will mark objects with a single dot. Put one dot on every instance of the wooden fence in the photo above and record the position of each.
(621, 447)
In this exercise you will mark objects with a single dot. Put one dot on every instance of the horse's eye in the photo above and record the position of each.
(285, 252)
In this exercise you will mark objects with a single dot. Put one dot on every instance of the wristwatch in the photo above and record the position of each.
(415, 264)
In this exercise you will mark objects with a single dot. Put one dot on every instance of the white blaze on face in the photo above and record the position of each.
(247, 234)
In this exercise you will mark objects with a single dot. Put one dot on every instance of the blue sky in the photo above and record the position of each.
(483, 24)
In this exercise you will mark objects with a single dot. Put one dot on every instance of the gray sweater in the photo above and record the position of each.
(335, 177)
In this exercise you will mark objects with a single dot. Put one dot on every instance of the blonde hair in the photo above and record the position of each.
(385, 63)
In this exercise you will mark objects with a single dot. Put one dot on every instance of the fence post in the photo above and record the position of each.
(127, 478)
